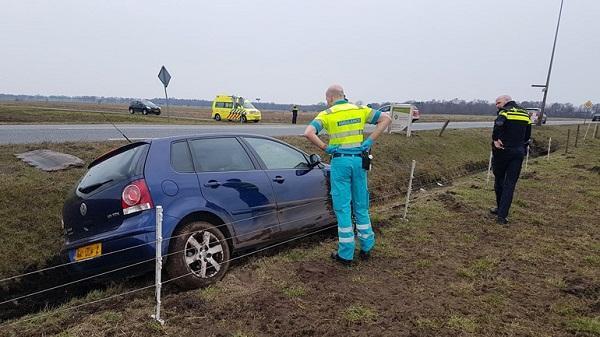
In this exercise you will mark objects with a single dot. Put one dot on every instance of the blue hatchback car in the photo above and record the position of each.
(221, 193)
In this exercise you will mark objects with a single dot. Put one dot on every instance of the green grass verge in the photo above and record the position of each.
(32, 115)
(535, 277)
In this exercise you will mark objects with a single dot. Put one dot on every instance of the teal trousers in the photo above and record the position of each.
(350, 195)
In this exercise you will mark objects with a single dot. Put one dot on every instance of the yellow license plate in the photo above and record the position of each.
(88, 252)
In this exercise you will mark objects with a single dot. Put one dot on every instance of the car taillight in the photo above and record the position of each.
(136, 197)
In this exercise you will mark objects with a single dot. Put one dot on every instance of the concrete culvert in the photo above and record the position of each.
(48, 160)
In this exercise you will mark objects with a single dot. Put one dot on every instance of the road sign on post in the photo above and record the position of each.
(588, 106)
(165, 78)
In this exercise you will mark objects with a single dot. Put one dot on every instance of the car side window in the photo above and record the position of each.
(276, 155)
(181, 158)
(219, 155)
(228, 105)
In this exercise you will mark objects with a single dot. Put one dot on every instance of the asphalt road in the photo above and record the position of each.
(37, 133)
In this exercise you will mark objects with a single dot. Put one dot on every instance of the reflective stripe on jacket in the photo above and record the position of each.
(516, 115)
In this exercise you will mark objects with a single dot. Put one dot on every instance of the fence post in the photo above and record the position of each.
(586, 132)
(549, 145)
(412, 175)
(487, 180)
(596, 131)
(444, 127)
(527, 158)
(577, 136)
(158, 269)
(568, 138)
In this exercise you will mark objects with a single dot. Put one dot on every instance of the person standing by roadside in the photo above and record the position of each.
(345, 123)
(294, 113)
(510, 137)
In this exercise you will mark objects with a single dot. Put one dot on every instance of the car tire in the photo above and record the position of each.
(144, 112)
(244, 119)
(218, 117)
(158, 113)
(256, 121)
(198, 255)
(131, 111)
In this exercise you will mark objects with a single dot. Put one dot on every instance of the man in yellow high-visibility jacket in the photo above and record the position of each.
(345, 123)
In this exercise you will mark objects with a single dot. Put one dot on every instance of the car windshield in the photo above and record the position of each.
(150, 104)
(248, 105)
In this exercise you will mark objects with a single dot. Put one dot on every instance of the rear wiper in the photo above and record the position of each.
(92, 187)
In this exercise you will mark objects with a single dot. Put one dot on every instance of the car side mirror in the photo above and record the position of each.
(314, 160)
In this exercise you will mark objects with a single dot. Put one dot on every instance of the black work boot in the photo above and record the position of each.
(337, 258)
(365, 256)
(502, 221)
(494, 210)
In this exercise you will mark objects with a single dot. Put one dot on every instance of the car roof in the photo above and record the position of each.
(211, 135)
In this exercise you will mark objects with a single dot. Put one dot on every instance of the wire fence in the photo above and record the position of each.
(302, 236)
(413, 182)
(165, 239)
(171, 253)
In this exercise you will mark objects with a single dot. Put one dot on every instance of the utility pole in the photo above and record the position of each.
(545, 87)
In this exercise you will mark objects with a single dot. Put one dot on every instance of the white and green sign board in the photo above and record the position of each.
(401, 118)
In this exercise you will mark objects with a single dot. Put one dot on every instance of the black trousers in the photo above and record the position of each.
(294, 116)
(506, 165)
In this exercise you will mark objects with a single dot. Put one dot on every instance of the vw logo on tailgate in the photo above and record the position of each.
(83, 209)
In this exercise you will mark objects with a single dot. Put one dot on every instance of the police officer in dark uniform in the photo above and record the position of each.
(294, 114)
(511, 136)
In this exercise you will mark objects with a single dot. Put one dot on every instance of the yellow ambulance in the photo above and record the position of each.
(234, 108)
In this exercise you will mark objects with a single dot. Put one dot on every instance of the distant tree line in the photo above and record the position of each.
(481, 107)
(454, 106)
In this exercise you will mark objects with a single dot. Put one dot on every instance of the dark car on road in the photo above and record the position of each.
(144, 106)
(221, 194)
(596, 116)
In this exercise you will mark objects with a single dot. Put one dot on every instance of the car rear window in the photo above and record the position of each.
(181, 159)
(115, 168)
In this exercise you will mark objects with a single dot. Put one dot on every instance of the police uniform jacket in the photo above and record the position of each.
(512, 126)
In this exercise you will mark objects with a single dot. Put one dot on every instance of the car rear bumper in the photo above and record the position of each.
(128, 245)
(131, 255)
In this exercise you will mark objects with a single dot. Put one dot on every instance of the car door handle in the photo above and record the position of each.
(279, 179)
(212, 183)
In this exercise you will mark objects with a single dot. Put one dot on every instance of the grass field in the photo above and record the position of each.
(40, 112)
(25, 114)
(448, 271)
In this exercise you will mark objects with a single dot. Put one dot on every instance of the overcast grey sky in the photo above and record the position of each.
(290, 51)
